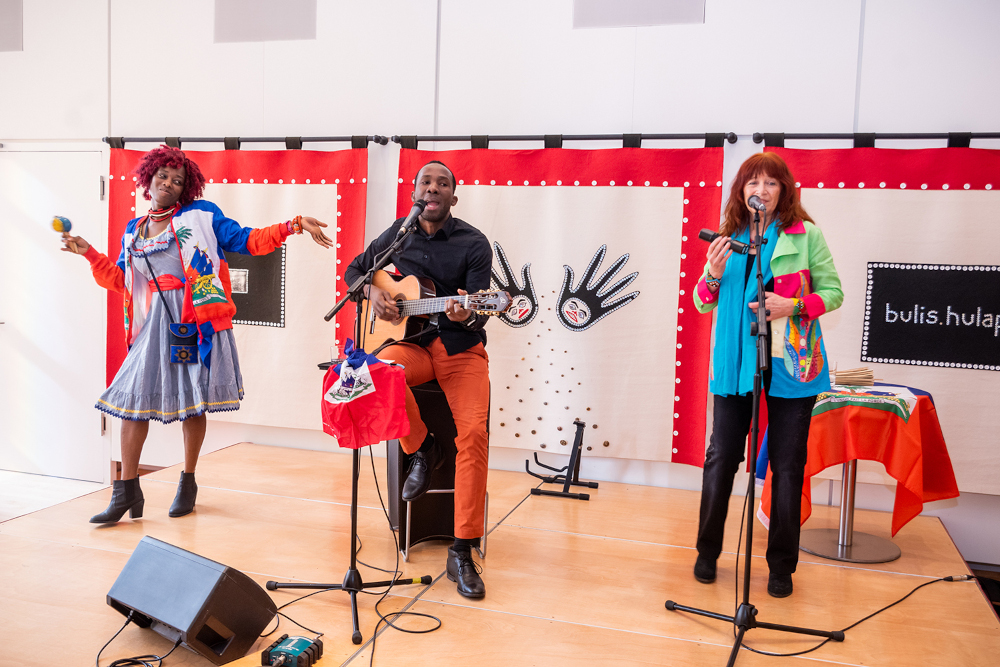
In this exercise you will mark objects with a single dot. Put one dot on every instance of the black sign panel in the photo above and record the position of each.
(258, 284)
(933, 315)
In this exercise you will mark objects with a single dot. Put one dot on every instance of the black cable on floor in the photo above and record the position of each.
(360, 562)
(388, 618)
(739, 546)
(961, 577)
(964, 577)
(395, 615)
(301, 597)
(140, 660)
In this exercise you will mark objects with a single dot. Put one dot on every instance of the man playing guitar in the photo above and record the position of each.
(457, 258)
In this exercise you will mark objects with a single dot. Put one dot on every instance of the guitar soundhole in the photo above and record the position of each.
(399, 304)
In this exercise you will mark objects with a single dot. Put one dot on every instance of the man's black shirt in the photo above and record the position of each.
(457, 257)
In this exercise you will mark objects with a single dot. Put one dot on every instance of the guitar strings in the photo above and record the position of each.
(437, 304)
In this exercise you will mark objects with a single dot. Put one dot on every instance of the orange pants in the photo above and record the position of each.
(465, 380)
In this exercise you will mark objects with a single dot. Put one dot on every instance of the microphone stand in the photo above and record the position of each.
(746, 614)
(353, 583)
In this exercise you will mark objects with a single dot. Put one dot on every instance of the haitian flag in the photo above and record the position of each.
(364, 400)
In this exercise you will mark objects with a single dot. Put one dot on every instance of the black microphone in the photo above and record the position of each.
(737, 247)
(755, 203)
(411, 219)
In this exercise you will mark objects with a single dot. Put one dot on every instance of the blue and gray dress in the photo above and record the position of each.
(148, 386)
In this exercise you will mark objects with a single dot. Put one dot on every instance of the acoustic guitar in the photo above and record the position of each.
(416, 299)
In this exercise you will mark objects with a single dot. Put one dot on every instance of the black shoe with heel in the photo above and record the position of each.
(423, 462)
(126, 495)
(187, 491)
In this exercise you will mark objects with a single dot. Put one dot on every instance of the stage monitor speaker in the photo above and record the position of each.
(215, 610)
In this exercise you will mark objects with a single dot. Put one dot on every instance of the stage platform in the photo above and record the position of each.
(569, 582)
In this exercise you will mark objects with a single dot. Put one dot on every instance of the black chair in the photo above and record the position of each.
(431, 516)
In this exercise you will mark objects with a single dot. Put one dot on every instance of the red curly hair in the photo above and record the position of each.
(165, 156)
(737, 216)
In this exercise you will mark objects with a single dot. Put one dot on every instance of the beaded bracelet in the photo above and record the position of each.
(712, 282)
(294, 225)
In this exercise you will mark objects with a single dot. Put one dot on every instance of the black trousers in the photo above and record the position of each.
(788, 434)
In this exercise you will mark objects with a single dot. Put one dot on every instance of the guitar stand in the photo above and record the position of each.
(570, 478)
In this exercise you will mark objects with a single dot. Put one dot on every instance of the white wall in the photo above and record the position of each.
(92, 68)
(519, 67)
(927, 66)
(57, 87)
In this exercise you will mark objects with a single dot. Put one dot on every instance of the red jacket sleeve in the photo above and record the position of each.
(109, 276)
(267, 239)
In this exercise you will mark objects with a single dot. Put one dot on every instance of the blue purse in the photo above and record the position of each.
(182, 337)
(183, 342)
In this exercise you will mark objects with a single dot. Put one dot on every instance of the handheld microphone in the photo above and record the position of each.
(737, 247)
(755, 203)
(411, 219)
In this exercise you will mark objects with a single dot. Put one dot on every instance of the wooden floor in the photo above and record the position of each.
(568, 582)
(22, 493)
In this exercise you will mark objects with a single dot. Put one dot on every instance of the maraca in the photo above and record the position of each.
(61, 224)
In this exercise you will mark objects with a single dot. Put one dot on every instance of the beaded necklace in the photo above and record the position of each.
(161, 214)
(157, 215)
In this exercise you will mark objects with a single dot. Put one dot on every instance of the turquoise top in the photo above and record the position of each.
(800, 263)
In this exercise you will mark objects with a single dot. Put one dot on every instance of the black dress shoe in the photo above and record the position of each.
(779, 585)
(187, 491)
(126, 495)
(704, 570)
(422, 463)
(463, 570)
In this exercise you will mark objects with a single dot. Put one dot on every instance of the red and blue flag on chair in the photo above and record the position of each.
(364, 400)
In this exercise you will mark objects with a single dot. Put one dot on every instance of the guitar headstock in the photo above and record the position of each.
(489, 303)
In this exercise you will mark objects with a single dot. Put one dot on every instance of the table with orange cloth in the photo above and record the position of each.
(892, 424)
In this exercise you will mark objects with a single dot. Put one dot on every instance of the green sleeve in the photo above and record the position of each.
(697, 296)
(823, 273)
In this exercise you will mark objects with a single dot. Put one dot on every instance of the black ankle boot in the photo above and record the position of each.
(187, 491)
(126, 496)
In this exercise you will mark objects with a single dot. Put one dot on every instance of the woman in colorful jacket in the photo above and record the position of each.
(172, 271)
(801, 283)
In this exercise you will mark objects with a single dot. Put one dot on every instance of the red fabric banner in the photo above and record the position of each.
(887, 168)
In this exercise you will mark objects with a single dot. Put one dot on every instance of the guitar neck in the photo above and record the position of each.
(428, 306)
